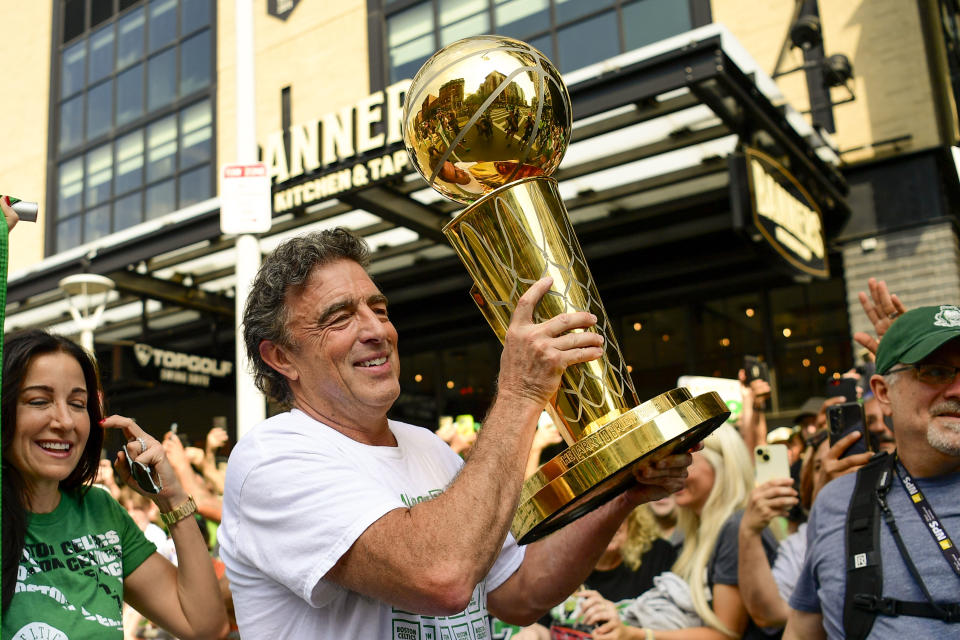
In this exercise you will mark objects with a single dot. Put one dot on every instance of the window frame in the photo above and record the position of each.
(56, 158)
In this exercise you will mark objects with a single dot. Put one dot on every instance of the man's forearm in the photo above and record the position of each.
(758, 589)
(429, 558)
(557, 565)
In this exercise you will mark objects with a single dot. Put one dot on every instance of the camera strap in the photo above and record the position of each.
(929, 517)
(864, 589)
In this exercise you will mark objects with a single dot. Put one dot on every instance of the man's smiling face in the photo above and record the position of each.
(343, 367)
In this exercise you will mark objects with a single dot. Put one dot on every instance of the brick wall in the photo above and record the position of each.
(921, 265)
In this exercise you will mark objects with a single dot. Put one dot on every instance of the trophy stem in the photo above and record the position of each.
(509, 239)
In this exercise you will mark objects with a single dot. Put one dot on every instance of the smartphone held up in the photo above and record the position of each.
(846, 418)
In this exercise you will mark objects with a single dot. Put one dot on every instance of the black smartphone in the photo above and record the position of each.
(141, 472)
(844, 418)
(756, 368)
(845, 387)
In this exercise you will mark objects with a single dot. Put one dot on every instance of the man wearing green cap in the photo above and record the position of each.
(881, 560)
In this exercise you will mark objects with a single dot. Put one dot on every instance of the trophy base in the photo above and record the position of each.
(599, 466)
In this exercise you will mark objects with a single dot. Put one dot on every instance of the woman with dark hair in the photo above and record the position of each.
(71, 554)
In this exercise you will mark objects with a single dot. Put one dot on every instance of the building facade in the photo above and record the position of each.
(692, 118)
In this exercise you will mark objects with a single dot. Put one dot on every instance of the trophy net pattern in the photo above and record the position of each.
(510, 244)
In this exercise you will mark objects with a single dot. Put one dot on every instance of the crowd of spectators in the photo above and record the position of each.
(200, 470)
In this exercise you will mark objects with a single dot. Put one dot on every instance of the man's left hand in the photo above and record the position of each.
(659, 479)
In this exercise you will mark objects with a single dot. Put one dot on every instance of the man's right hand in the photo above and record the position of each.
(536, 354)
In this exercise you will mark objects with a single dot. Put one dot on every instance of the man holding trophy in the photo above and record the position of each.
(340, 523)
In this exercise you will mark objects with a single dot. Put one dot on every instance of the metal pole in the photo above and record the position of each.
(250, 402)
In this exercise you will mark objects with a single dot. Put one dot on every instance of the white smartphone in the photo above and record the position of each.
(770, 462)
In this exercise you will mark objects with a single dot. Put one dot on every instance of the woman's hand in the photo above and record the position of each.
(767, 501)
(9, 213)
(597, 611)
(151, 453)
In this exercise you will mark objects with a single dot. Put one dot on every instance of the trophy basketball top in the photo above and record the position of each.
(484, 112)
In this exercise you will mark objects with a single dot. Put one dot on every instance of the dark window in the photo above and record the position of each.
(71, 123)
(195, 63)
(462, 18)
(572, 9)
(101, 54)
(99, 175)
(195, 186)
(130, 38)
(162, 87)
(73, 69)
(163, 23)
(99, 109)
(100, 10)
(196, 135)
(160, 199)
(161, 148)
(648, 21)
(518, 18)
(128, 211)
(73, 19)
(96, 223)
(130, 95)
(194, 14)
(133, 114)
(129, 150)
(600, 31)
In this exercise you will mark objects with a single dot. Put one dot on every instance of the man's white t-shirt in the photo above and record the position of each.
(298, 494)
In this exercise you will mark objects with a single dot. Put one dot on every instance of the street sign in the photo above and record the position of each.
(244, 198)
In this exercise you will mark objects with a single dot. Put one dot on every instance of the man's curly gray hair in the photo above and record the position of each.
(286, 269)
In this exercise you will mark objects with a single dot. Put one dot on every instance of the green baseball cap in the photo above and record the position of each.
(916, 334)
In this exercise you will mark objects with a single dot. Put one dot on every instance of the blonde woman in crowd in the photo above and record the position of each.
(709, 510)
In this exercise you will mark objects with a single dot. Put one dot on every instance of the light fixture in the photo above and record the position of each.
(449, 384)
(418, 378)
(86, 293)
(637, 326)
(806, 362)
(819, 349)
(724, 342)
(822, 369)
(787, 332)
(665, 337)
(749, 312)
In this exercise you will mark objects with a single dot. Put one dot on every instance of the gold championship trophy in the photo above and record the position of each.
(486, 121)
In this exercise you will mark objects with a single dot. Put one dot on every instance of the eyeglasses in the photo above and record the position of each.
(141, 473)
(932, 374)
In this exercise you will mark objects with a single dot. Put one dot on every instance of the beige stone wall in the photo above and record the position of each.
(320, 52)
(25, 60)
(884, 42)
(921, 265)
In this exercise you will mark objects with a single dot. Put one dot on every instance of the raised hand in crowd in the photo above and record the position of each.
(882, 308)
(753, 420)
(107, 480)
(209, 504)
(835, 464)
(216, 439)
(546, 435)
